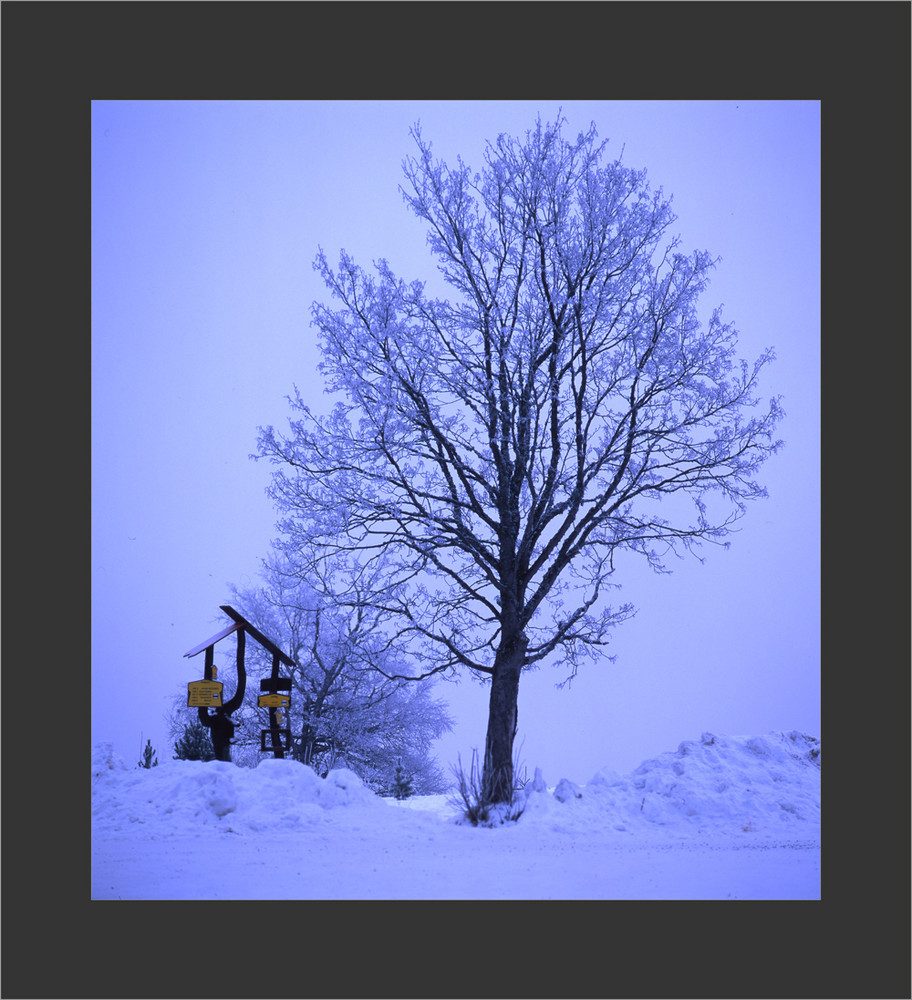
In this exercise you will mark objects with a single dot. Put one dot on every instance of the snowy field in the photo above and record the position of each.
(721, 817)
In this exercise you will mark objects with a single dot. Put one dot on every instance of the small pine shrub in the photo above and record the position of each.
(149, 757)
(195, 744)
(402, 783)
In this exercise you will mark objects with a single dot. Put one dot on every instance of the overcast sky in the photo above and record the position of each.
(206, 219)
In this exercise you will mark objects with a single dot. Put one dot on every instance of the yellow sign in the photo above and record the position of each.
(274, 700)
(204, 694)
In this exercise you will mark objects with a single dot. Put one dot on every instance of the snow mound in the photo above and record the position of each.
(104, 759)
(766, 785)
(758, 788)
(181, 795)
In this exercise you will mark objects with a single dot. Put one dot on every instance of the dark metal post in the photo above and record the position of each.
(222, 731)
(277, 750)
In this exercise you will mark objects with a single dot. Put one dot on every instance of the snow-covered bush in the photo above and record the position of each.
(470, 799)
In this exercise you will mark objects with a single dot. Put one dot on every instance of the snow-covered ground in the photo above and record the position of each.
(722, 817)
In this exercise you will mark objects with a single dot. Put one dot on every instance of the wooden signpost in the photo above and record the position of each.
(206, 694)
(279, 736)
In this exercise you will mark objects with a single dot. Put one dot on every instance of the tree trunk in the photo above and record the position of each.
(497, 778)
(313, 709)
(308, 738)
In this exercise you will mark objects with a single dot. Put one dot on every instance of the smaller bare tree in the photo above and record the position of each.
(347, 707)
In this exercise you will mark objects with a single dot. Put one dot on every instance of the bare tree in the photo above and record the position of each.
(347, 708)
(494, 452)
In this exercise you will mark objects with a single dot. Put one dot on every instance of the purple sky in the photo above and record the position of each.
(206, 219)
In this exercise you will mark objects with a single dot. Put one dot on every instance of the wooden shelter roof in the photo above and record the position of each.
(240, 622)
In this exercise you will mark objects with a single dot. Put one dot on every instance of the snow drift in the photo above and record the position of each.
(717, 786)
(182, 796)
(720, 818)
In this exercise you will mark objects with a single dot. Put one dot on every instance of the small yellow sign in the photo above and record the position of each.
(274, 700)
(204, 694)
